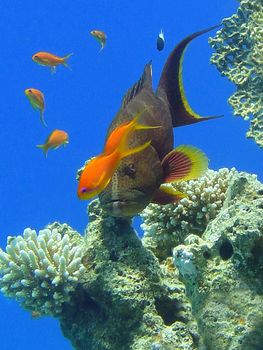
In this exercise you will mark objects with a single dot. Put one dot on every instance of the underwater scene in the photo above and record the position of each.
(132, 175)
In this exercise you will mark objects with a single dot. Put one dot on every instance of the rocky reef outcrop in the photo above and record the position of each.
(111, 290)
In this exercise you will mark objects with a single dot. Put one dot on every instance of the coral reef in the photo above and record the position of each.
(167, 226)
(239, 57)
(110, 291)
(40, 271)
(126, 299)
(223, 270)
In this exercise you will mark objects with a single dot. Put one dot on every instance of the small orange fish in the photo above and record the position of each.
(122, 132)
(100, 37)
(54, 140)
(37, 101)
(99, 170)
(48, 59)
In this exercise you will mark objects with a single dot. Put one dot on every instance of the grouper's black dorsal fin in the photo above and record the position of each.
(171, 84)
(144, 82)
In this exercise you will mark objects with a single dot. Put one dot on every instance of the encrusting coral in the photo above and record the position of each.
(166, 226)
(126, 300)
(41, 271)
(223, 270)
(239, 57)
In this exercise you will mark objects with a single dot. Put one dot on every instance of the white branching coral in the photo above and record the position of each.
(166, 226)
(40, 271)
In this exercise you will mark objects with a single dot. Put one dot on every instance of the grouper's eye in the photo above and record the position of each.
(83, 190)
(129, 170)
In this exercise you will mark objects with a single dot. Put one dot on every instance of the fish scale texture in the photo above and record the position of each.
(239, 56)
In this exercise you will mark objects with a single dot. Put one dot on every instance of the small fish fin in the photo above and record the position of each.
(34, 105)
(42, 118)
(53, 69)
(171, 86)
(167, 195)
(145, 127)
(130, 151)
(184, 163)
(135, 124)
(102, 47)
(161, 35)
(65, 59)
(144, 82)
(44, 148)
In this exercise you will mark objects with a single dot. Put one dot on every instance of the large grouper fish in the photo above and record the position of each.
(139, 177)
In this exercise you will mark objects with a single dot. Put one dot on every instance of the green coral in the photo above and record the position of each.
(239, 57)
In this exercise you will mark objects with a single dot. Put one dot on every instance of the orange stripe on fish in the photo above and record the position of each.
(184, 163)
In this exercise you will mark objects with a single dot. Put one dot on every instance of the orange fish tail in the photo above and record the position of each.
(125, 151)
(44, 148)
(65, 59)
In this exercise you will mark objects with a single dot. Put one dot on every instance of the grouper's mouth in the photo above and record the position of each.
(121, 206)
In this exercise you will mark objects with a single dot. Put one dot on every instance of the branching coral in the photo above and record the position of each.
(41, 271)
(167, 226)
(239, 57)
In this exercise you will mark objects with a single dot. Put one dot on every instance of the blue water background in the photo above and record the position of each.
(35, 190)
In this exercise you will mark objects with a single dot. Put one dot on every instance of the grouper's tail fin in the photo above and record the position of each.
(171, 84)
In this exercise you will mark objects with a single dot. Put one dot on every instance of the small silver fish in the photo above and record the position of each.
(160, 41)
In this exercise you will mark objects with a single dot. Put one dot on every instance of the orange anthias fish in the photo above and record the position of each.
(54, 140)
(51, 60)
(36, 98)
(99, 170)
(100, 37)
(121, 133)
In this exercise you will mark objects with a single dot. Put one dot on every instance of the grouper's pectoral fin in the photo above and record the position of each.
(184, 163)
(145, 82)
(171, 85)
(167, 195)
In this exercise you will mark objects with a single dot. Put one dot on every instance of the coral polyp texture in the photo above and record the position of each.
(40, 271)
(239, 57)
(167, 226)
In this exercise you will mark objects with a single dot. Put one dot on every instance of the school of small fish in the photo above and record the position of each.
(137, 160)
(36, 97)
